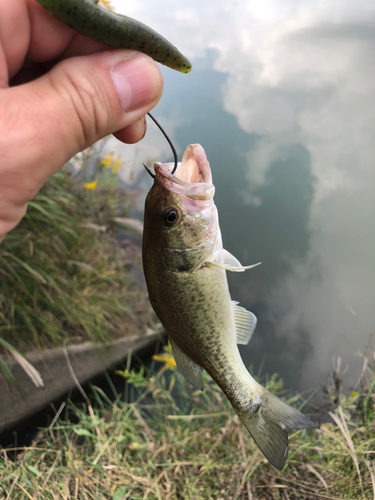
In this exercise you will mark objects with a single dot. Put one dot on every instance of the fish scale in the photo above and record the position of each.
(195, 319)
(185, 269)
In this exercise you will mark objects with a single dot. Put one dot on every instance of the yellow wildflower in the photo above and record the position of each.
(109, 161)
(166, 358)
(91, 185)
(108, 4)
(116, 165)
(134, 446)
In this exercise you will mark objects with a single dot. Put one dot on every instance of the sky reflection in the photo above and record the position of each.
(283, 93)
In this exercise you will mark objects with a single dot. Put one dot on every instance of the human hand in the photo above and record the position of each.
(60, 93)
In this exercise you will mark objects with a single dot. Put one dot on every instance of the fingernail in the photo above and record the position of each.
(137, 82)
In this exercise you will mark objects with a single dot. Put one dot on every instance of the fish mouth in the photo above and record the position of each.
(193, 177)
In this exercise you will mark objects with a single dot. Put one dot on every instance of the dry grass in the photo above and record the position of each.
(62, 274)
(64, 271)
(173, 444)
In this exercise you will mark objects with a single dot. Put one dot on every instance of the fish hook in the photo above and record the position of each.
(169, 142)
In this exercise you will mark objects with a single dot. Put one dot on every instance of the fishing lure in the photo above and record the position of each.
(90, 19)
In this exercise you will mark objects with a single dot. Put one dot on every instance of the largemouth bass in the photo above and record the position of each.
(90, 19)
(185, 268)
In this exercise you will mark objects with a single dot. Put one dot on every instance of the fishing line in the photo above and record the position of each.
(169, 142)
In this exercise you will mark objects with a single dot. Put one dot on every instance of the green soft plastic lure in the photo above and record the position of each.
(100, 24)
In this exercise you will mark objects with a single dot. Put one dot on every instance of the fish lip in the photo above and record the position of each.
(194, 165)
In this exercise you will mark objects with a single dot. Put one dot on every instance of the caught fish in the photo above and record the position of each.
(92, 20)
(185, 268)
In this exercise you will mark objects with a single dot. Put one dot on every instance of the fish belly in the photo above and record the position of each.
(196, 311)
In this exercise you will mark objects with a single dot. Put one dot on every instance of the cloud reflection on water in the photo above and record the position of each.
(301, 74)
(314, 87)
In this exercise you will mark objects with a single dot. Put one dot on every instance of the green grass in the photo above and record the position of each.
(158, 448)
(63, 272)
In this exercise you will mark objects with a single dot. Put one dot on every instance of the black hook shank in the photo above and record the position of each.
(169, 142)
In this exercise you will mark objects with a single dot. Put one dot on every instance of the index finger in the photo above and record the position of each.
(40, 38)
(51, 38)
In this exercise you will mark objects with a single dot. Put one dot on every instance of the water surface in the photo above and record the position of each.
(281, 98)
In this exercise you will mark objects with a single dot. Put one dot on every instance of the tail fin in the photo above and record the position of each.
(269, 427)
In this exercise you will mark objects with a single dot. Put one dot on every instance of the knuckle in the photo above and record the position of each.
(88, 106)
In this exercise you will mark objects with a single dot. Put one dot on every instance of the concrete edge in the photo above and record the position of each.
(87, 359)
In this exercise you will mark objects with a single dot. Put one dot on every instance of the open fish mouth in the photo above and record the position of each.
(193, 177)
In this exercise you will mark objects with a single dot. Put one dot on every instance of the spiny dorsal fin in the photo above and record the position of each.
(190, 370)
(245, 322)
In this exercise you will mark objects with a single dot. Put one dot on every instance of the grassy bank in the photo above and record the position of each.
(174, 444)
(64, 271)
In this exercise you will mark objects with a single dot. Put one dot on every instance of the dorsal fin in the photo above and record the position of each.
(245, 322)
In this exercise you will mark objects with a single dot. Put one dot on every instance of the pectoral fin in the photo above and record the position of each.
(245, 322)
(230, 263)
(190, 370)
(230, 260)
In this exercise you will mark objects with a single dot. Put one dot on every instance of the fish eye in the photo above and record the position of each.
(170, 217)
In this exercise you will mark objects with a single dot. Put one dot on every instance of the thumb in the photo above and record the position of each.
(83, 99)
(47, 121)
